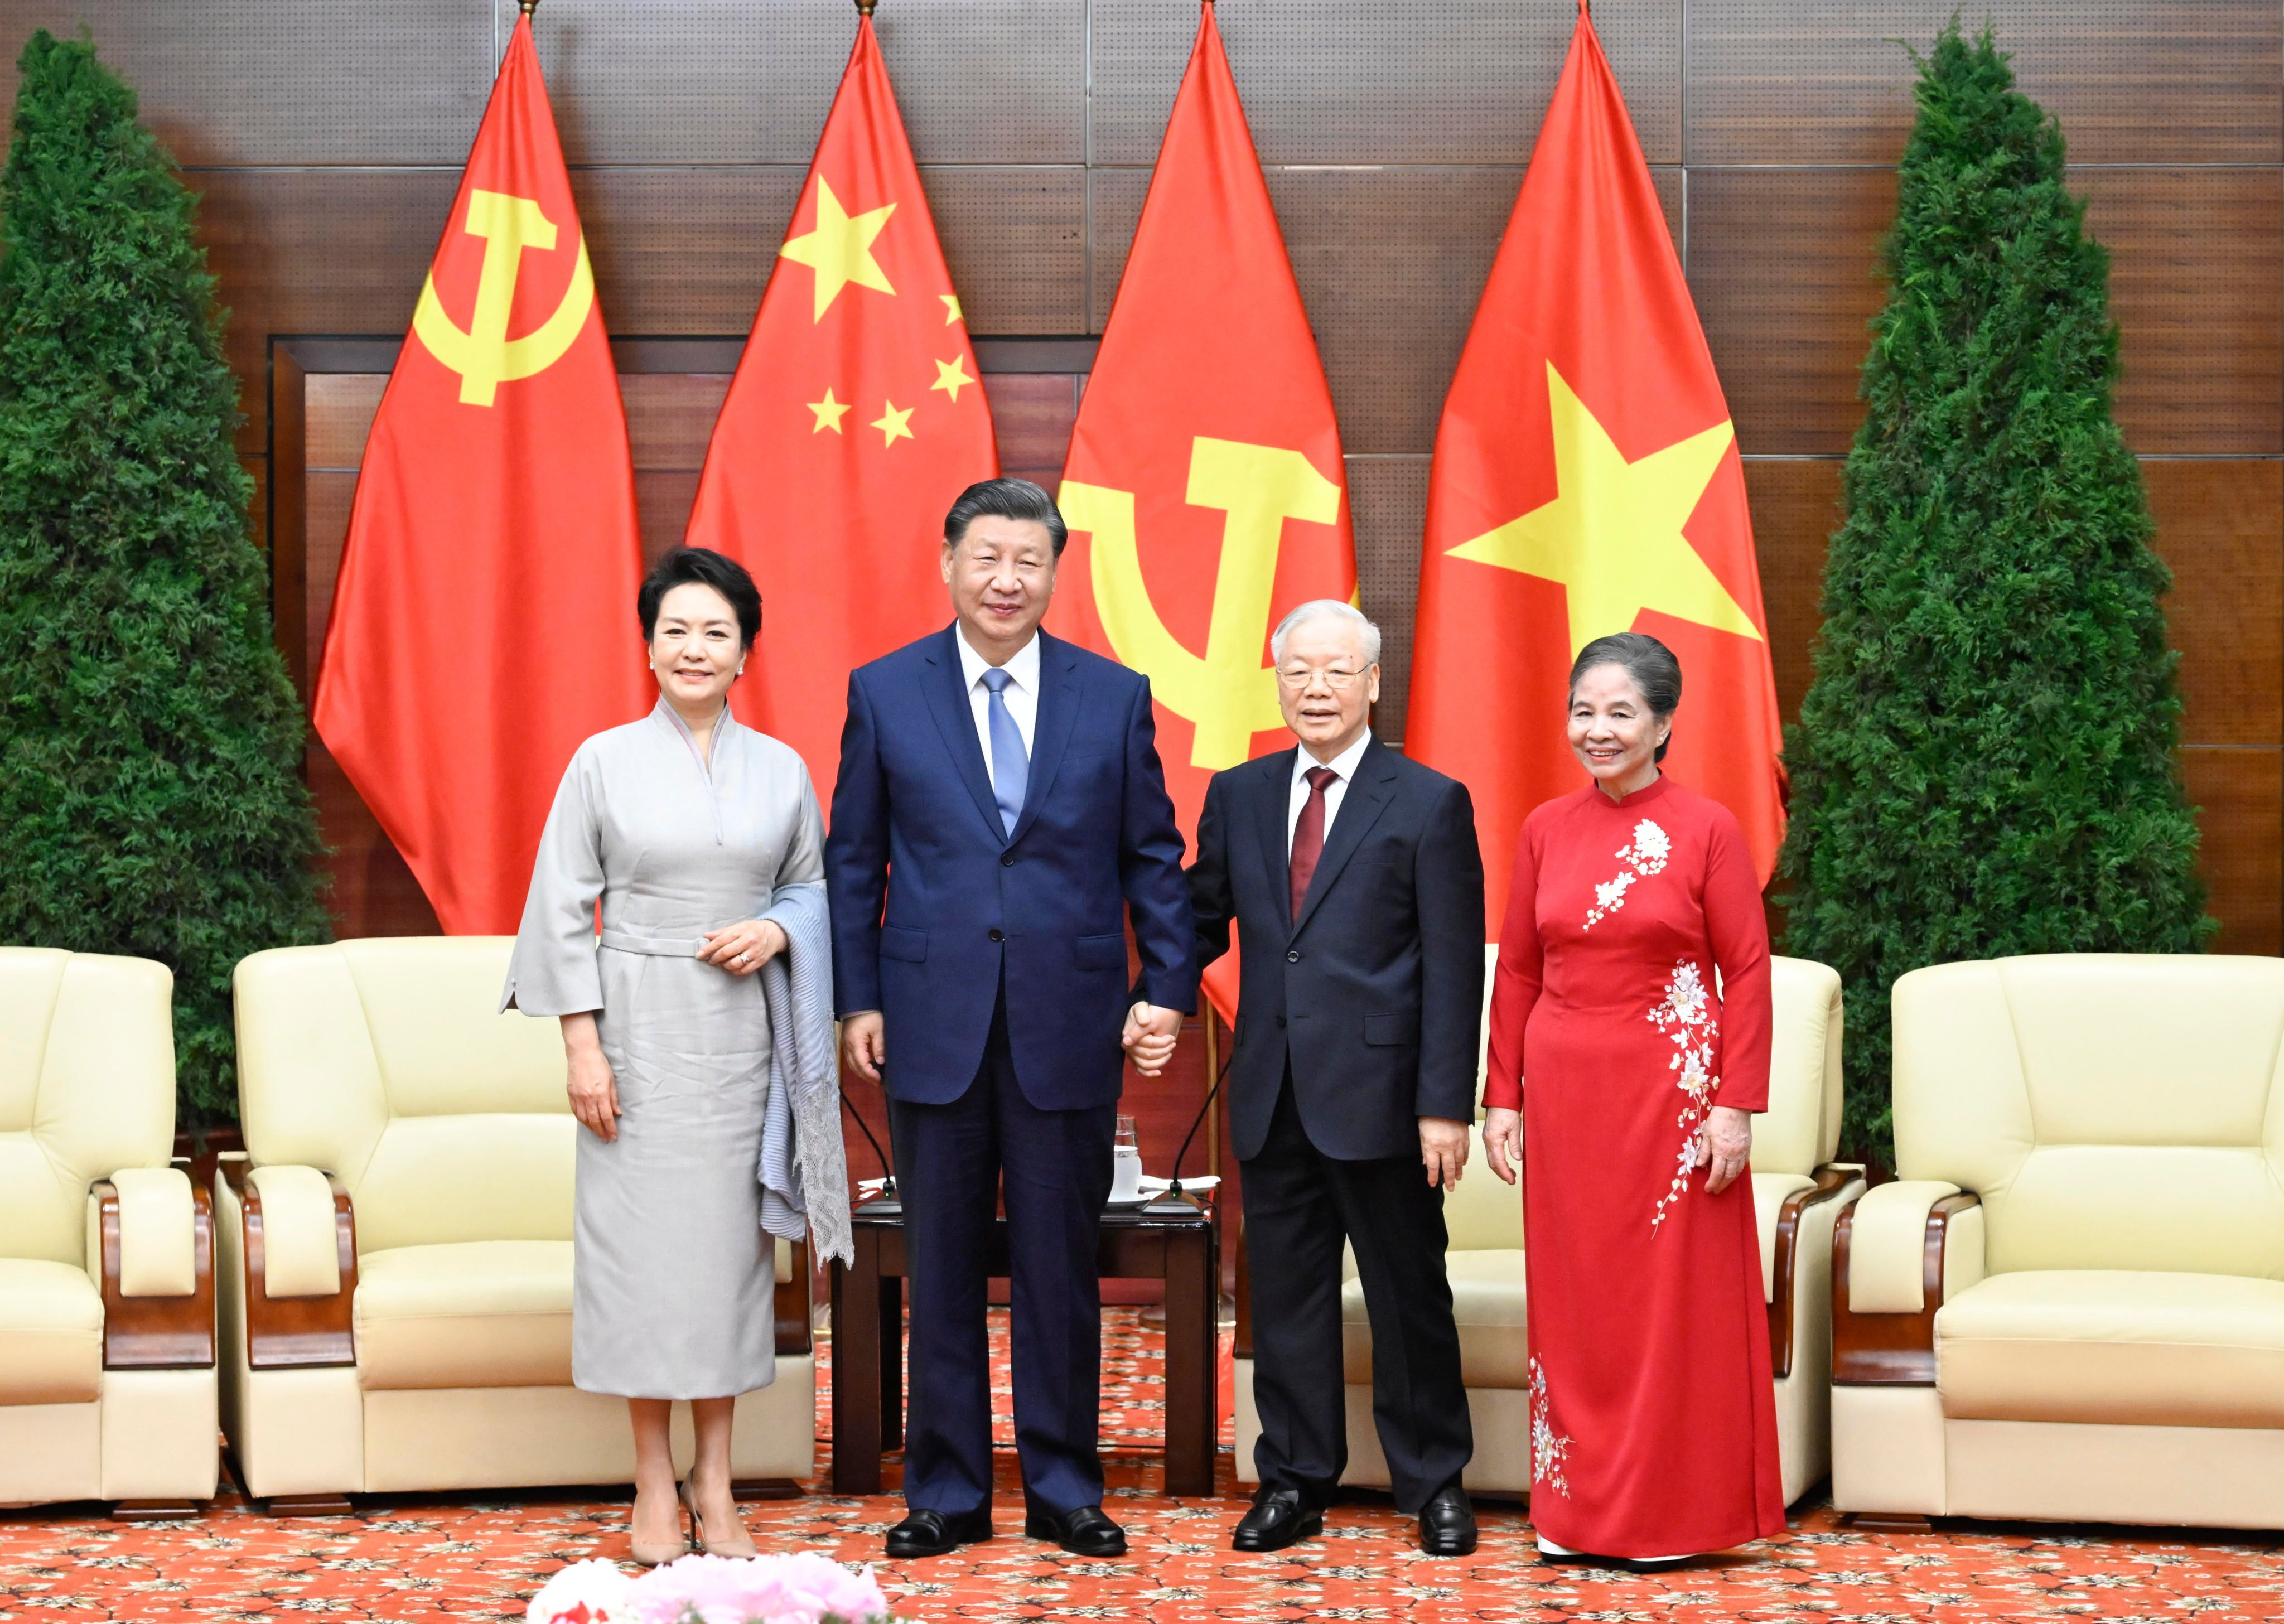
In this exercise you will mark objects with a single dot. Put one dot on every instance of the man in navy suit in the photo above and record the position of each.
(1000, 807)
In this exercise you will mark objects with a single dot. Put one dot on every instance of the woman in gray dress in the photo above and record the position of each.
(700, 839)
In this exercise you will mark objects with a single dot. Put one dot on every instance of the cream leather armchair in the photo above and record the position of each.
(396, 1246)
(106, 1252)
(2071, 1304)
(1798, 1194)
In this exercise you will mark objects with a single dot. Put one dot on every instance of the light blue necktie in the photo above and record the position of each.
(1010, 766)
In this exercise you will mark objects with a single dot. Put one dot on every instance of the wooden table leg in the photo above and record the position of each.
(892, 1362)
(857, 1373)
(1189, 1396)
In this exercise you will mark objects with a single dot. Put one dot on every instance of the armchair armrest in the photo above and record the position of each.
(155, 1243)
(793, 1297)
(1833, 1180)
(1896, 1252)
(301, 1324)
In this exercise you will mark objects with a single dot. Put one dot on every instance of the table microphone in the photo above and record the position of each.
(887, 1203)
(1174, 1201)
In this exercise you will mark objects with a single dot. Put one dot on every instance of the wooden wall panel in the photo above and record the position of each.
(682, 251)
(1387, 503)
(252, 82)
(1032, 414)
(1795, 506)
(1772, 81)
(2240, 797)
(1333, 81)
(2196, 286)
(2220, 526)
(729, 82)
(1015, 242)
(1782, 264)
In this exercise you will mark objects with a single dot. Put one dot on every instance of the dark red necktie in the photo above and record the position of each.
(1309, 835)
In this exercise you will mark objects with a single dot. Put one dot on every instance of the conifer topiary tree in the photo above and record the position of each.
(1983, 763)
(150, 740)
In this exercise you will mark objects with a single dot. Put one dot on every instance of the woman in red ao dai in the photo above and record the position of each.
(1632, 998)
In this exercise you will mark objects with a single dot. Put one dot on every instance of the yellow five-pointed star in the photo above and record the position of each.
(891, 423)
(950, 307)
(829, 413)
(1612, 535)
(840, 248)
(950, 377)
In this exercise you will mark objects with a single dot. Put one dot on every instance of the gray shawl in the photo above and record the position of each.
(804, 1172)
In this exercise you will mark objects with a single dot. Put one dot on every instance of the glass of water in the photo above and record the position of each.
(1126, 1166)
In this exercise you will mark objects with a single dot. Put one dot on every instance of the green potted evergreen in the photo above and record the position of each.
(1984, 761)
(151, 801)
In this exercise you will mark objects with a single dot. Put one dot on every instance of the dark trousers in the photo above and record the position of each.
(952, 1161)
(1299, 1202)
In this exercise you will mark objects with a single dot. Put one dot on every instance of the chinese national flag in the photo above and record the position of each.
(855, 421)
(1586, 481)
(1205, 469)
(484, 624)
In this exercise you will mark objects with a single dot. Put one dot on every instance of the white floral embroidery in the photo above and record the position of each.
(1644, 855)
(1549, 1450)
(1686, 1015)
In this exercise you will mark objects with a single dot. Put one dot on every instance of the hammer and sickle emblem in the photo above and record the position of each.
(1227, 692)
(484, 357)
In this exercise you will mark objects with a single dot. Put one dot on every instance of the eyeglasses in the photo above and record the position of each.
(1338, 680)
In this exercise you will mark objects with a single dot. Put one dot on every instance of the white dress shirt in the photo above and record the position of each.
(1022, 668)
(1344, 764)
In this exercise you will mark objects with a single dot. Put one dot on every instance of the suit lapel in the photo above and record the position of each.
(1273, 809)
(1365, 798)
(955, 719)
(1050, 730)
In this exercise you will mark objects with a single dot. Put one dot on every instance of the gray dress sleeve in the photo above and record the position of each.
(804, 864)
(553, 970)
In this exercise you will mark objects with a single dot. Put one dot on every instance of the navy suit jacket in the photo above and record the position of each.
(933, 900)
(1374, 996)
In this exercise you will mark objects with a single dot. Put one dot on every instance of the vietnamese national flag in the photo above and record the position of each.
(1205, 468)
(1586, 481)
(855, 421)
(484, 622)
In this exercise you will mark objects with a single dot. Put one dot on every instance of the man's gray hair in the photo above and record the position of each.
(1321, 608)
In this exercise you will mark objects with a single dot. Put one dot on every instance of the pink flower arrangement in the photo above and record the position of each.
(800, 1588)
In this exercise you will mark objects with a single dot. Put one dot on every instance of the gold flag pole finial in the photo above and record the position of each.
(864, 7)
(526, 6)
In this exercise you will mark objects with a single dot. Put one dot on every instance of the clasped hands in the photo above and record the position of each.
(745, 947)
(1150, 1035)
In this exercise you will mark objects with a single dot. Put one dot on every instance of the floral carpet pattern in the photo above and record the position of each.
(403, 1557)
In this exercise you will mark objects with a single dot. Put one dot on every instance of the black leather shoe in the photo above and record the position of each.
(932, 1533)
(1084, 1533)
(1278, 1517)
(1447, 1524)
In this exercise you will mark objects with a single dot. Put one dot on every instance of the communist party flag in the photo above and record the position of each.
(484, 624)
(855, 420)
(1205, 468)
(1586, 481)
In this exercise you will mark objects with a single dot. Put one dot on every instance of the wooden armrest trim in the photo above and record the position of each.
(289, 1334)
(1890, 1350)
(158, 1333)
(793, 1304)
(1830, 1181)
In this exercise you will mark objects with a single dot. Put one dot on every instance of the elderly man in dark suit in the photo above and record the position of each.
(1357, 887)
(999, 809)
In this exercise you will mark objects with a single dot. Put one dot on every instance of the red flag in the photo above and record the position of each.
(1586, 481)
(855, 420)
(1205, 468)
(484, 622)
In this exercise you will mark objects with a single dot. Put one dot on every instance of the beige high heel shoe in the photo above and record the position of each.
(659, 1554)
(704, 1543)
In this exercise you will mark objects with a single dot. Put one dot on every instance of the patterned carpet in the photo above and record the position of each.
(407, 1558)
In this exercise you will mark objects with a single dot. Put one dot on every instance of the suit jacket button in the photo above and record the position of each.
(997, 934)
(1007, 860)
(1293, 956)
